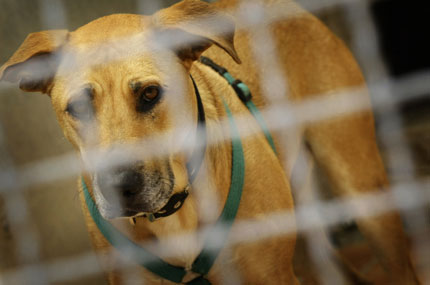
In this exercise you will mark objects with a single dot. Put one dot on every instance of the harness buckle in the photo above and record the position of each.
(242, 90)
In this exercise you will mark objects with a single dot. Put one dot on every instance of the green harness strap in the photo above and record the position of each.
(244, 95)
(207, 257)
(251, 107)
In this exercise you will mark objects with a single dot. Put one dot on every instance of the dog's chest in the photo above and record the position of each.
(180, 250)
(174, 245)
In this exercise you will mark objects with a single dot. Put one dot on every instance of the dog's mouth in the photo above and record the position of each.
(132, 192)
(136, 209)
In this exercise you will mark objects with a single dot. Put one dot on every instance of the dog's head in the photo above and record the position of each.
(122, 82)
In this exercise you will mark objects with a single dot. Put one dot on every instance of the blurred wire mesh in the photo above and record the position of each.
(43, 239)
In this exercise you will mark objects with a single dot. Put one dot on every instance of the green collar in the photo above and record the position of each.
(205, 260)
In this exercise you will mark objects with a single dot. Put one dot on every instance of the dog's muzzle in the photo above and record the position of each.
(127, 192)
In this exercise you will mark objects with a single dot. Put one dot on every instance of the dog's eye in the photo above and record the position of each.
(80, 109)
(148, 96)
(151, 93)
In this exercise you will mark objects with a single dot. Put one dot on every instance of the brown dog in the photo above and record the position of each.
(113, 84)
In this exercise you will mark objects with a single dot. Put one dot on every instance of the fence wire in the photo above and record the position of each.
(43, 238)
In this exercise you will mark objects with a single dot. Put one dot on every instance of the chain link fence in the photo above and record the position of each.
(43, 238)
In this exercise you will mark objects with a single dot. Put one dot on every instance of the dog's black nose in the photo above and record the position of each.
(119, 186)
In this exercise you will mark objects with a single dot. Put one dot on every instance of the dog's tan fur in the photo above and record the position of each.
(314, 61)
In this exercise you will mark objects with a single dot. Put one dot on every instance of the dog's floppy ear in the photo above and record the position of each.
(35, 62)
(191, 26)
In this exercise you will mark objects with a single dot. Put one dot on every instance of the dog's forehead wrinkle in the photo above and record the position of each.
(86, 57)
(110, 27)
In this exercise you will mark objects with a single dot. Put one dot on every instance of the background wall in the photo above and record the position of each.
(29, 133)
